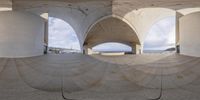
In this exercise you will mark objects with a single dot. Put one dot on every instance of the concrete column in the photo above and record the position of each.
(21, 34)
(46, 37)
(45, 16)
(178, 16)
(189, 34)
(87, 50)
(137, 49)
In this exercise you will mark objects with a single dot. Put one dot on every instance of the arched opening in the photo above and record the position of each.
(161, 36)
(62, 37)
(112, 48)
(111, 29)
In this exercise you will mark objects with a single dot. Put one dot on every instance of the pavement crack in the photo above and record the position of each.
(161, 89)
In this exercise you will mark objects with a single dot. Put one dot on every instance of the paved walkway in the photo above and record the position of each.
(81, 77)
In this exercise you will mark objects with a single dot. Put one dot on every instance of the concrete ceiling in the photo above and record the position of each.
(128, 4)
(6, 3)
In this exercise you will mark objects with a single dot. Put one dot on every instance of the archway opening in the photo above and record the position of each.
(112, 48)
(161, 36)
(62, 37)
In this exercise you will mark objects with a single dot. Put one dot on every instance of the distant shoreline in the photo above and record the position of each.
(145, 51)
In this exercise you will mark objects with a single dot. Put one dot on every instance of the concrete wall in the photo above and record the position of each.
(190, 34)
(21, 34)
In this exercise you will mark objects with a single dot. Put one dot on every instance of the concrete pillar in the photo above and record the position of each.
(137, 49)
(46, 37)
(21, 34)
(46, 31)
(45, 16)
(87, 50)
(178, 16)
(189, 34)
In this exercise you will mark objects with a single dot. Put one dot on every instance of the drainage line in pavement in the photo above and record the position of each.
(62, 90)
(161, 90)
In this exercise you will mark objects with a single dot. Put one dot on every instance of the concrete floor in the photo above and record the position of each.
(81, 77)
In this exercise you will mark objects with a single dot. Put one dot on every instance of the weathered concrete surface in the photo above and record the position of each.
(80, 77)
(21, 34)
(111, 30)
(86, 15)
(189, 34)
(82, 15)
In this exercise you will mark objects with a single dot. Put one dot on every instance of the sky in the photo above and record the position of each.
(160, 36)
(62, 35)
(112, 47)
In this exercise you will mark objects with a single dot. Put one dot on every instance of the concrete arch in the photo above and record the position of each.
(171, 11)
(144, 18)
(111, 29)
(115, 17)
(111, 16)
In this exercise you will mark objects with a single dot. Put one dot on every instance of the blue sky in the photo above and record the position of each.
(160, 36)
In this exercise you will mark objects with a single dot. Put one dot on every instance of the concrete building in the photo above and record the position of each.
(27, 74)
(96, 22)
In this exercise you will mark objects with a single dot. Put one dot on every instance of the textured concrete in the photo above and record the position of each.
(111, 30)
(189, 34)
(100, 21)
(80, 77)
(21, 34)
(85, 15)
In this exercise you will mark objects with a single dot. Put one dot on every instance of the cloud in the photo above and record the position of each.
(161, 35)
(62, 35)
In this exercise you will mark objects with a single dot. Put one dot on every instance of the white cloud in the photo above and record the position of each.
(62, 35)
(161, 35)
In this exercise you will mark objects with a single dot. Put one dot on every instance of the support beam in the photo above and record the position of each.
(45, 16)
(46, 37)
(87, 50)
(178, 16)
(137, 49)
